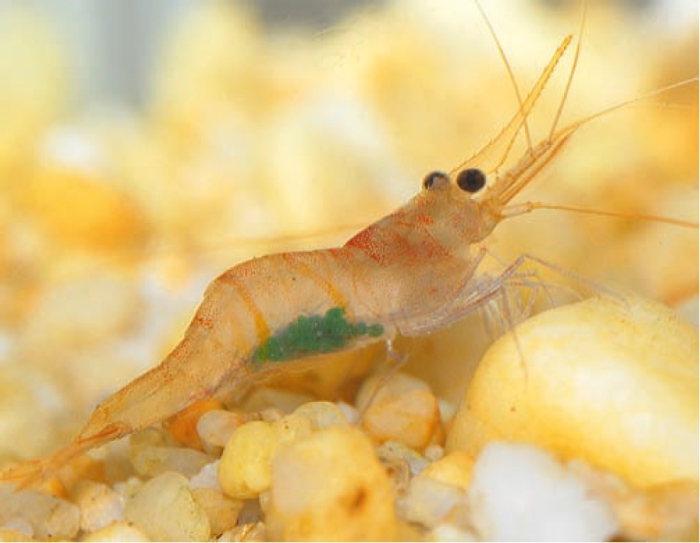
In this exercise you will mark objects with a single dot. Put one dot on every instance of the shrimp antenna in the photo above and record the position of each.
(511, 75)
(526, 207)
(519, 179)
(569, 80)
(509, 132)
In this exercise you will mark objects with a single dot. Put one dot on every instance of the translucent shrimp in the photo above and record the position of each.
(410, 273)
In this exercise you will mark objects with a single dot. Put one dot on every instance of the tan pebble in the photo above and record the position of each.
(293, 426)
(612, 382)
(284, 400)
(428, 500)
(434, 452)
(331, 486)
(152, 461)
(244, 469)
(99, 505)
(8, 534)
(665, 512)
(118, 531)
(322, 414)
(216, 427)
(165, 510)
(247, 532)
(393, 452)
(402, 409)
(271, 414)
(455, 469)
(221, 510)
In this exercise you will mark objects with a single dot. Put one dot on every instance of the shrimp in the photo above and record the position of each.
(409, 273)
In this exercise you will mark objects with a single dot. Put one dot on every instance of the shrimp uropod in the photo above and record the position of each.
(412, 272)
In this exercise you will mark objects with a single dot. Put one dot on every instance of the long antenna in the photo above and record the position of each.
(526, 207)
(571, 72)
(511, 76)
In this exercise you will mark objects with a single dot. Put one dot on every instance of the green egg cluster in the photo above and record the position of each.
(313, 334)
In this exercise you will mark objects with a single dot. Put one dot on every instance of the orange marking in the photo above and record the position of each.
(306, 270)
(206, 322)
(262, 330)
(385, 250)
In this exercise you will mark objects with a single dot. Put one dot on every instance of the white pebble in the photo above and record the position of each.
(165, 510)
(207, 477)
(520, 492)
(49, 517)
(99, 505)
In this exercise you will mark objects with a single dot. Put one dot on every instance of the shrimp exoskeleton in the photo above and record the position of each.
(409, 273)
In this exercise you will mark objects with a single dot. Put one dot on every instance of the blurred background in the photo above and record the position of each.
(145, 147)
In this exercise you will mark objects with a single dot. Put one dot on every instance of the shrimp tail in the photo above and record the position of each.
(34, 472)
(191, 372)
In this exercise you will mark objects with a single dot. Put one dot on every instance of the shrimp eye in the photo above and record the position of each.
(430, 180)
(471, 180)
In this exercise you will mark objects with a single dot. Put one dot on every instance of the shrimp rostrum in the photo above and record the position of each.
(409, 273)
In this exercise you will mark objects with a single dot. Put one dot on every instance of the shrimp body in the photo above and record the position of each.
(411, 272)
(391, 277)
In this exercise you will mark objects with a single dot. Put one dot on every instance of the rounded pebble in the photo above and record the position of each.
(331, 486)
(454, 469)
(216, 427)
(221, 510)
(429, 500)
(99, 505)
(322, 414)
(244, 469)
(612, 382)
(48, 516)
(152, 461)
(165, 510)
(399, 409)
(118, 531)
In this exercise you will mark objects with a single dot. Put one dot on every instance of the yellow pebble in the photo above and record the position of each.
(612, 382)
(455, 469)
(331, 486)
(244, 470)
(78, 209)
(117, 531)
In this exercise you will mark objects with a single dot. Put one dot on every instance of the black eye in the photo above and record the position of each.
(471, 180)
(430, 180)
